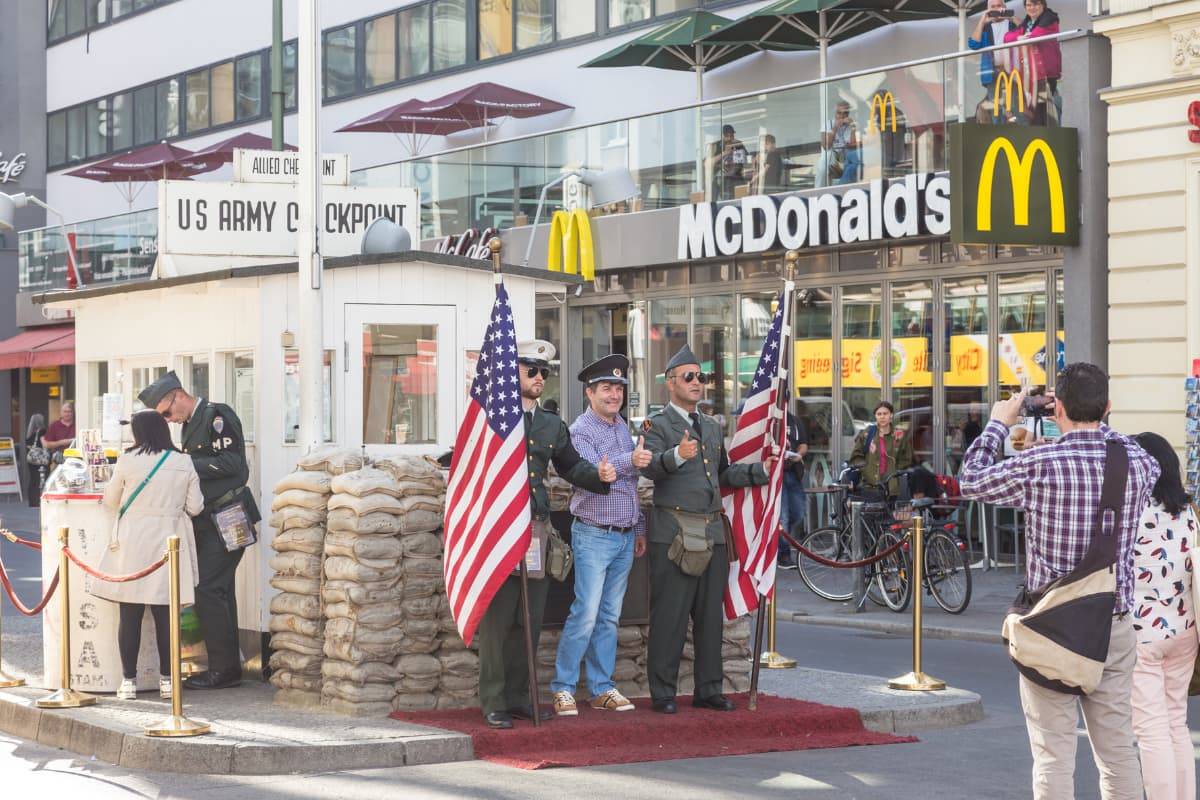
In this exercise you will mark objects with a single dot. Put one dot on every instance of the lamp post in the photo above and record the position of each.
(608, 186)
(9, 203)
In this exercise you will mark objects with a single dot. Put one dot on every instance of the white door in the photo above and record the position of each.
(400, 388)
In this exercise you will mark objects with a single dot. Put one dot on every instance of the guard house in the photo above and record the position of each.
(402, 332)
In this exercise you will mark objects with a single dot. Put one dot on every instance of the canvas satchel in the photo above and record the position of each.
(691, 549)
(1058, 637)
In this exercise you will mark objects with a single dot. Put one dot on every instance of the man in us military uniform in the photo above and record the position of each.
(503, 664)
(688, 465)
(212, 436)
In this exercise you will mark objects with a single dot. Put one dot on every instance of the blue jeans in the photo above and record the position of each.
(602, 564)
(792, 514)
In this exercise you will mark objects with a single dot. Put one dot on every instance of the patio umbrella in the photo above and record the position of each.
(482, 102)
(160, 161)
(408, 119)
(221, 152)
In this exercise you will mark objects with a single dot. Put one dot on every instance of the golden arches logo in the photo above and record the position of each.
(881, 102)
(1008, 80)
(571, 249)
(1020, 173)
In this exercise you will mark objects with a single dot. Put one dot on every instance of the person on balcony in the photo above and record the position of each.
(990, 29)
(840, 160)
(1041, 62)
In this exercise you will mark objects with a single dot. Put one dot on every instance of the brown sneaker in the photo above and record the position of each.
(612, 700)
(564, 705)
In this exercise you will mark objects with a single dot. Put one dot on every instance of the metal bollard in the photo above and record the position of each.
(856, 554)
(65, 697)
(6, 681)
(917, 681)
(772, 659)
(176, 725)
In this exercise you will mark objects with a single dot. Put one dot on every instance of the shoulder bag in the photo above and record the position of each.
(115, 544)
(231, 517)
(1058, 637)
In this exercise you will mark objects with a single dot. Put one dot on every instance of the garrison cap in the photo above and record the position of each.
(684, 356)
(611, 368)
(153, 394)
(538, 352)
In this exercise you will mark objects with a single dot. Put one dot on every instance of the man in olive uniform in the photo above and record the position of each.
(212, 436)
(688, 465)
(503, 664)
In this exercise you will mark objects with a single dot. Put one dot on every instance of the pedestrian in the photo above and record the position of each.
(689, 555)
(154, 492)
(881, 449)
(503, 665)
(990, 29)
(1043, 59)
(1058, 486)
(792, 516)
(37, 457)
(1164, 621)
(212, 437)
(607, 534)
(61, 433)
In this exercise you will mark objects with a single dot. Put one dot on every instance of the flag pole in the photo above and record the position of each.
(494, 245)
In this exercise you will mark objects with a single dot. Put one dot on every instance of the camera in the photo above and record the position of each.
(1038, 404)
(1006, 13)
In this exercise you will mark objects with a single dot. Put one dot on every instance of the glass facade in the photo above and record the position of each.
(67, 18)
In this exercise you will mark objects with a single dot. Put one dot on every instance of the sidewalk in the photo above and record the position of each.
(991, 594)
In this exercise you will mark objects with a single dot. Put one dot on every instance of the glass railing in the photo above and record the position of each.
(109, 249)
(846, 129)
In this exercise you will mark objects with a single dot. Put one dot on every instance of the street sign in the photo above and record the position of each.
(275, 166)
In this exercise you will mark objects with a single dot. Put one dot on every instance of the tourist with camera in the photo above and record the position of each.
(1059, 486)
(990, 29)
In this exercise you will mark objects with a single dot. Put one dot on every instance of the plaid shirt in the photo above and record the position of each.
(595, 438)
(1058, 486)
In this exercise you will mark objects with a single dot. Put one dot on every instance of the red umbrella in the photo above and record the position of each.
(485, 101)
(409, 119)
(220, 153)
(151, 163)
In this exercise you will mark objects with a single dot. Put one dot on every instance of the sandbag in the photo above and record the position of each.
(302, 605)
(366, 505)
(409, 645)
(451, 643)
(298, 497)
(422, 701)
(461, 683)
(420, 521)
(283, 679)
(340, 568)
(358, 692)
(379, 615)
(295, 585)
(297, 663)
(420, 608)
(300, 540)
(411, 467)
(418, 586)
(629, 636)
(343, 519)
(424, 567)
(356, 653)
(296, 517)
(332, 459)
(418, 665)
(447, 702)
(414, 684)
(407, 488)
(290, 623)
(359, 547)
(296, 564)
(423, 502)
(297, 643)
(307, 481)
(421, 629)
(369, 672)
(737, 631)
(625, 670)
(365, 481)
(361, 594)
(421, 544)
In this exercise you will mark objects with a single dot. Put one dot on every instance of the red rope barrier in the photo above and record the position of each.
(16, 601)
(133, 576)
(844, 564)
(12, 537)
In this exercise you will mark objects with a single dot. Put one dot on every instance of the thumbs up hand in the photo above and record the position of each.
(687, 448)
(608, 473)
(641, 456)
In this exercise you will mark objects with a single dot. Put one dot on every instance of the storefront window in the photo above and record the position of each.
(754, 321)
(667, 277)
(963, 252)
(713, 342)
(195, 374)
(239, 390)
(862, 378)
(140, 378)
(291, 396)
(858, 260)
(708, 274)
(547, 324)
(912, 255)
(812, 371)
(1060, 325)
(911, 357)
(399, 384)
(634, 330)
(966, 367)
(668, 333)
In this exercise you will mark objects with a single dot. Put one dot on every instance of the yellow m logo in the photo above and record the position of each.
(570, 248)
(881, 102)
(1007, 80)
(1020, 169)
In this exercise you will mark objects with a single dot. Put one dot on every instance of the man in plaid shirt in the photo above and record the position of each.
(1058, 486)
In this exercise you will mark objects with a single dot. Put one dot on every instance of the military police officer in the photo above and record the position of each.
(689, 559)
(212, 436)
(503, 666)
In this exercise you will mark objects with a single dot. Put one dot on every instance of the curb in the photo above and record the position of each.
(860, 622)
(960, 711)
(122, 745)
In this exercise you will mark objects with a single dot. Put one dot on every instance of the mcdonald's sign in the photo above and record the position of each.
(1006, 81)
(881, 103)
(570, 248)
(1014, 184)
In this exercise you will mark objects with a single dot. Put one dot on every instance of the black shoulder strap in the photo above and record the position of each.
(870, 438)
(1112, 497)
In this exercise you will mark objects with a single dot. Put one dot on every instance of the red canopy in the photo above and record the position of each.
(152, 163)
(51, 346)
(220, 153)
(484, 101)
(407, 117)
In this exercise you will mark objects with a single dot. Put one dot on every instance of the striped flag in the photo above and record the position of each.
(754, 511)
(487, 523)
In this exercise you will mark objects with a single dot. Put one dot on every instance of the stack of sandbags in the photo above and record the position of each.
(297, 631)
(332, 459)
(545, 659)
(629, 672)
(735, 654)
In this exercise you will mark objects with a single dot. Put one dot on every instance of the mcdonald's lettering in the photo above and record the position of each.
(1020, 173)
(1007, 80)
(882, 102)
(571, 249)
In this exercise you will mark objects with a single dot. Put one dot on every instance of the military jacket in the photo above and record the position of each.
(214, 441)
(693, 485)
(549, 440)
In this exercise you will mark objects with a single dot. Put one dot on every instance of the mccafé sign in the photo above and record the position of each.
(1014, 184)
(11, 167)
(915, 205)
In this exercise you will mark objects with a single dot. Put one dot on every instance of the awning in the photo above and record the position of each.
(52, 346)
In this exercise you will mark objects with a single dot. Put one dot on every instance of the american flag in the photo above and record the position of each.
(754, 511)
(487, 521)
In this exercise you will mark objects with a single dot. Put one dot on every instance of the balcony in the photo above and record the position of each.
(109, 249)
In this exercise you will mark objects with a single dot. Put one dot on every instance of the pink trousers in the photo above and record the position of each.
(1160, 684)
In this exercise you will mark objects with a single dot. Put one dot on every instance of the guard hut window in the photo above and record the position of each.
(399, 392)
(291, 396)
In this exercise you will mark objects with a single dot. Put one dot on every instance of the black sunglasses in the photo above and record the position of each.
(532, 372)
(688, 377)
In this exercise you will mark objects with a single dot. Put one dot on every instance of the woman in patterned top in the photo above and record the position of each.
(1164, 619)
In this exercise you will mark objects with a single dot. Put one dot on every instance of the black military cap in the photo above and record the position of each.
(684, 356)
(612, 368)
(153, 394)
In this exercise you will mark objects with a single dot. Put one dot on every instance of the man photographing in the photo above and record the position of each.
(1058, 485)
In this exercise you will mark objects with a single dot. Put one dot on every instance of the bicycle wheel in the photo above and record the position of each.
(831, 583)
(892, 574)
(947, 573)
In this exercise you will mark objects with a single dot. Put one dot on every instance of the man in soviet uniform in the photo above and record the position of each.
(212, 436)
(503, 664)
(688, 465)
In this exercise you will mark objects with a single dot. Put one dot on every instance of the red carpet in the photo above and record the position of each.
(596, 737)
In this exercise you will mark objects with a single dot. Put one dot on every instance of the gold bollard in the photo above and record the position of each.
(177, 724)
(772, 659)
(65, 697)
(917, 681)
(6, 681)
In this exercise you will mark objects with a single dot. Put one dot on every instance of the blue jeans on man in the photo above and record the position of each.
(792, 514)
(603, 559)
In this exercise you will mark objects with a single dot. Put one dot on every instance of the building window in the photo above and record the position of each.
(221, 90)
(76, 127)
(495, 28)
(197, 100)
(380, 45)
(291, 396)
(627, 12)
(414, 41)
(289, 76)
(97, 141)
(574, 18)
(535, 23)
(168, 108)
(57, 139)
(144, 114)
(449, 34)
(400, 384)
(340, 74)
(120, 121)
(250, 87)
(239, 389)
(70, 17)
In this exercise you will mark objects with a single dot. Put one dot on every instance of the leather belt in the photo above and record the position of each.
(607, 528)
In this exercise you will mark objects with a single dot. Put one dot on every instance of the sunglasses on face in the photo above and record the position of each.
(532, 372)
(688, 377)
(166, 413)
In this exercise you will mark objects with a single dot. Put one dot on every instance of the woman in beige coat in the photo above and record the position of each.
(154, 490)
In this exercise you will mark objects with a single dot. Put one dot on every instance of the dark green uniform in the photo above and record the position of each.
(503, 667)
(693, 485)
(213, 438)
